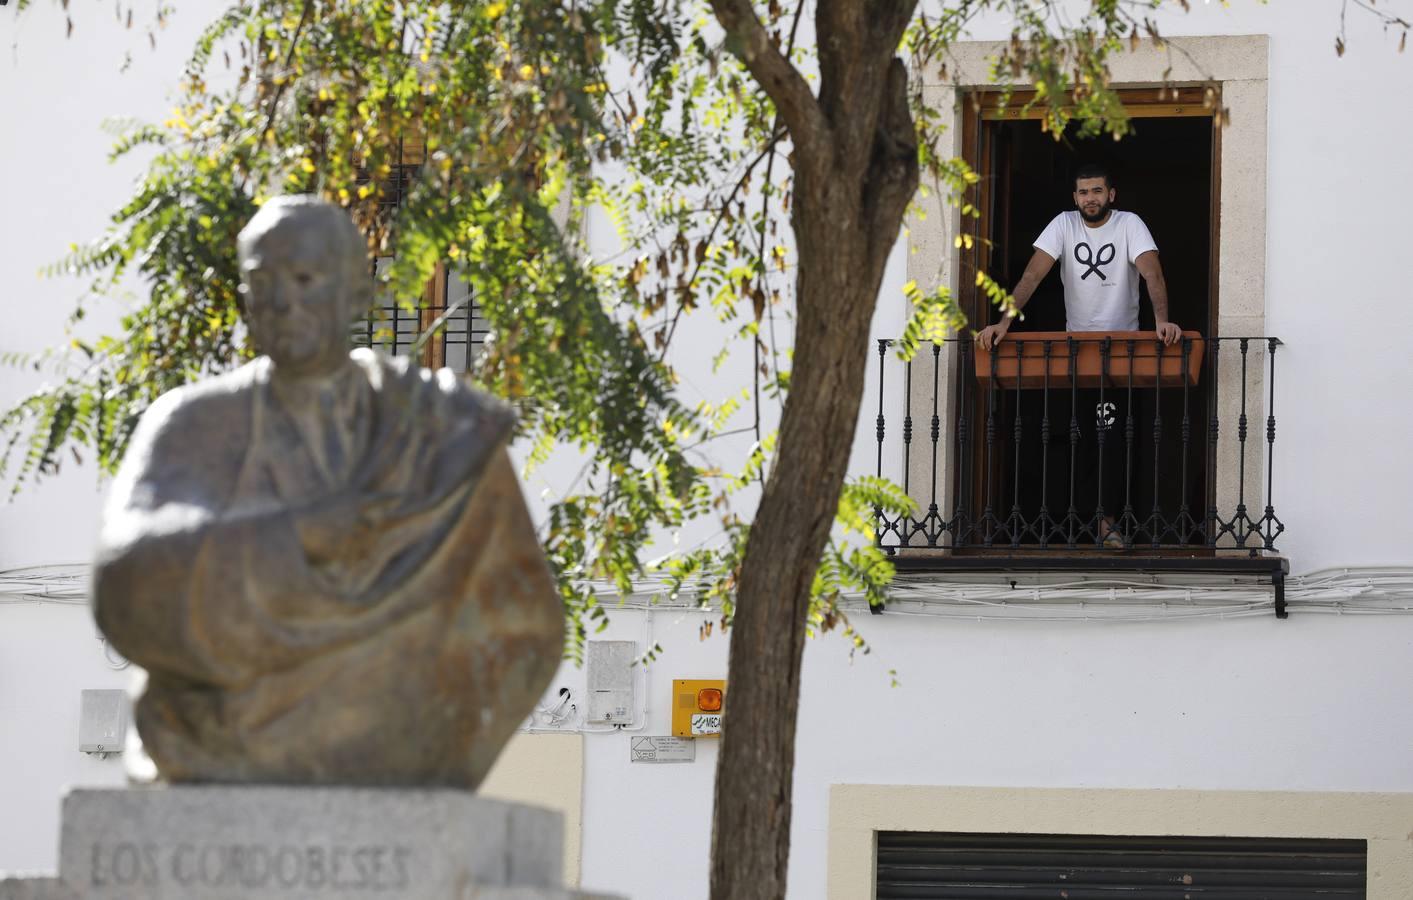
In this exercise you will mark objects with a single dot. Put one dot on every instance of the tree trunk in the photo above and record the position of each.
(846, 218)
(754, 774)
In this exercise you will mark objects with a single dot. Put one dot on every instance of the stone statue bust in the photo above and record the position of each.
(322, 559)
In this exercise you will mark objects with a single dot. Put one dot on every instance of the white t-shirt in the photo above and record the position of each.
(1097, 268)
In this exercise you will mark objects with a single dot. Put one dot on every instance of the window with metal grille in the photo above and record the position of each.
(950, 866)
(444, 326)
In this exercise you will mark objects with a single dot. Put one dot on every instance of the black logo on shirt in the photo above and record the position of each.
(1106, 256)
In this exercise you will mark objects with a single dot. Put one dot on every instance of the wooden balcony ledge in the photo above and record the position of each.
(1135, 353)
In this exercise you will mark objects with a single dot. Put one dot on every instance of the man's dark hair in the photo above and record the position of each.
(1093, 170)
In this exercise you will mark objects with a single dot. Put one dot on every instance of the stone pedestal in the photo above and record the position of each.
(244, 843)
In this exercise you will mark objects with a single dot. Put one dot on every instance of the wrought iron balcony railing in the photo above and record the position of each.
(1106, 446)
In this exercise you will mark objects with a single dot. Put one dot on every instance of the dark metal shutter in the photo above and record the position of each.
(944, 866)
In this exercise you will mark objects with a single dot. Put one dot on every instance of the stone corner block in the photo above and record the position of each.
(21, 888)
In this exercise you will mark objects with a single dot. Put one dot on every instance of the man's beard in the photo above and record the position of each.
(1096, 217)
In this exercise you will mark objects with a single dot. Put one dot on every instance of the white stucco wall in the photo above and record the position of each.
(48, 654)
(55, 93)
(1315, 703)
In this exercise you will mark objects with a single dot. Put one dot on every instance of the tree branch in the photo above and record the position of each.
(289, 60)
(780, 80)
(721, 213)
(869, 27)
(893, 175)
(858, 41)
(891, 18)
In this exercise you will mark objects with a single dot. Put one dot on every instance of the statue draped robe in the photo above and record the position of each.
(409, 658)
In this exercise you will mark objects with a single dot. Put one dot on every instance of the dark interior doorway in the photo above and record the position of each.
(1163, 171)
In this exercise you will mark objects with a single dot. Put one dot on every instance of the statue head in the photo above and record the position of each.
(304, 275)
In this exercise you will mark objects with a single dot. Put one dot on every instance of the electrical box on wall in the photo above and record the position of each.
(697, 706)
(103, 721)
(610, 675)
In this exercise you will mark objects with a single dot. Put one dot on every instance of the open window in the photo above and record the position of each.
(1156, 485)
(1164, 170)
(997, 476)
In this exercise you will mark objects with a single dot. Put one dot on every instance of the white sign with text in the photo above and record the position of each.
(662, 749)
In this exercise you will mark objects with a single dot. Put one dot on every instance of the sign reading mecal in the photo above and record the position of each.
(706, 723)
(662, 749)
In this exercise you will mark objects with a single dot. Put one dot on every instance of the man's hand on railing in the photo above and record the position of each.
(991, 335)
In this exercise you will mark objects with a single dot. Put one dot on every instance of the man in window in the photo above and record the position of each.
(1102, 252)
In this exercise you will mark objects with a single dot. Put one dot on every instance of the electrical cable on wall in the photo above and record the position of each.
(116, 661)
(1350, 590)
(61, 583)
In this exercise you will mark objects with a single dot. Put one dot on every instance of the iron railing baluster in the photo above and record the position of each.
(368, 319)
(446, 304)
(907, 425)
(1184, 534)
(986, 517)
(933, 519)
(1155, 517)
(1072, 516)
(1100, 433)
(1272, 524)
(1016, 523)
(880, 431)
(1239, 529)
(1130, 519)
(1045, 523)
(396, 326)
(961, 528)
(879, 424)
(1214, 427)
